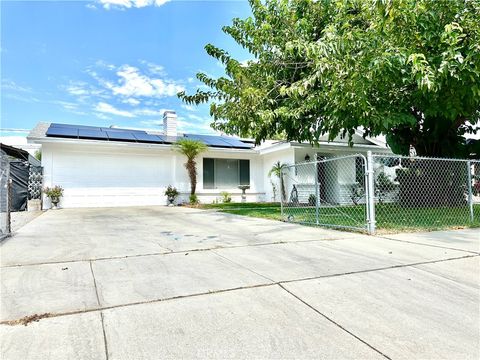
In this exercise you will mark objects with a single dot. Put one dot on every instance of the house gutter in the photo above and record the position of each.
(125, 144)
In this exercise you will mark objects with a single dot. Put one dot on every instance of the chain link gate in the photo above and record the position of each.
(329, 192)
(388, 192)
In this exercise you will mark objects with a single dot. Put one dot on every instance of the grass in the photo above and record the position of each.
(389, 217)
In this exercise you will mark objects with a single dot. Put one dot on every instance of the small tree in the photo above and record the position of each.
(191, 149)
(277, 170)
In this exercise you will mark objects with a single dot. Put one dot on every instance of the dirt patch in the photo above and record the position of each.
(27, 319)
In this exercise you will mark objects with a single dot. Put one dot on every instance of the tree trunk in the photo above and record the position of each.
(282, 186)
(192, 173)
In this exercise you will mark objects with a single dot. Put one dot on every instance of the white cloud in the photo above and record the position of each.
(133, 83)
(131, 101)
(152, 122)
(189, 107)
(102, 116)
(154, 68)
(13, 86)
(102, 107)
(149, 112)
(127, 4)
(195, 124)
(197, 118)
(77, 90)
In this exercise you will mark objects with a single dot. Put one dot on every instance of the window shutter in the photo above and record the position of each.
(244, 172)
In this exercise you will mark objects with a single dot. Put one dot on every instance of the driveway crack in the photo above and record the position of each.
(243, 266)
(334, 322)
(101, 312)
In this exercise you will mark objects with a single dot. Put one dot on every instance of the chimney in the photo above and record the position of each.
(170, 123)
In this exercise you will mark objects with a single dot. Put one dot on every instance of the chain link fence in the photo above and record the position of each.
(382, 192)
(425, 193)
(329, 192)
(4, 197)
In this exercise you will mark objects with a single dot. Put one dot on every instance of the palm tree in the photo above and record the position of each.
(277, 170)
(191, 149)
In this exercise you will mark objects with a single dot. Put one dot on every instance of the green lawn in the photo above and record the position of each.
(389, 217)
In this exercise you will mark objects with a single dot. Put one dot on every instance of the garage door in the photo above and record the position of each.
(103, 179)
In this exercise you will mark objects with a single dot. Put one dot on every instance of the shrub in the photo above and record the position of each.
(54, 192)
(312, 199)
(171, 192)
(226, 198)
(194, 199)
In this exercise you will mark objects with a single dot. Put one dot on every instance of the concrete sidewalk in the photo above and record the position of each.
(158, 282)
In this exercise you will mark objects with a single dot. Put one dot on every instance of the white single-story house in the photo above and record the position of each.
(108, 166)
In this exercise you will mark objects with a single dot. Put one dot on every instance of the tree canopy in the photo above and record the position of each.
(408, 69)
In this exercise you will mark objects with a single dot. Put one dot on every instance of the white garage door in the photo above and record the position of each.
(104, 179)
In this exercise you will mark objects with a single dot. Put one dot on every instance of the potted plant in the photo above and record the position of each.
(54, 194)
(171, 194)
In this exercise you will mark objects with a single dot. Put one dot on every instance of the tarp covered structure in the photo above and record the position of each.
(20, 162)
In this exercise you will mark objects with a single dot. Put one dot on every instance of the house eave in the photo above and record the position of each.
(343, 146)
(125, 144)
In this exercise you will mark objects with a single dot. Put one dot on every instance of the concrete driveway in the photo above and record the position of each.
(158, 282)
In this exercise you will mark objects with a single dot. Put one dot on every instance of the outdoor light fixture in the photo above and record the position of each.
(307, 157)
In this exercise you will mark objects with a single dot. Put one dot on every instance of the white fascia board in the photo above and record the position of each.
(344, 146)
(276, 147)
(371, 139)
(125, 144)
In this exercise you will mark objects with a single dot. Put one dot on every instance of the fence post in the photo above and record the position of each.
(469, 186)
(9, 204)
(317, 194)
(370, 193)
(281, 195)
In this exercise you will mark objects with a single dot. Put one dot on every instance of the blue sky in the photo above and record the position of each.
(109, 62)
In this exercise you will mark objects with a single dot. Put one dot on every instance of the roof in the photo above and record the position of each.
(115, 135)
(108, 134)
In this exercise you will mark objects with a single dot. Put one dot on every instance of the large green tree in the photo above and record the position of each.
(408, 69)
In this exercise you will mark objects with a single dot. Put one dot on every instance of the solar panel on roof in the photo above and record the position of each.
(215, 141)
(116, 134)
(237, 143)
(120, 135)
(68, 126)
(220, 141)
(62, 132)
(92, 134)
(144, 137)
(121, 130)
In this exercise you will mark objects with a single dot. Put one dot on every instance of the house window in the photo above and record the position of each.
(225, 173)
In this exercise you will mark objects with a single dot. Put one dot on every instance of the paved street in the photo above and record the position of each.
(159, 282)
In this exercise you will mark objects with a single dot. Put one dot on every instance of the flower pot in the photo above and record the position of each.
(171, 199)
(55, 201)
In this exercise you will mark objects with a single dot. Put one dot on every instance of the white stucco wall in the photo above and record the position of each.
(96, 175)
(286, 156)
